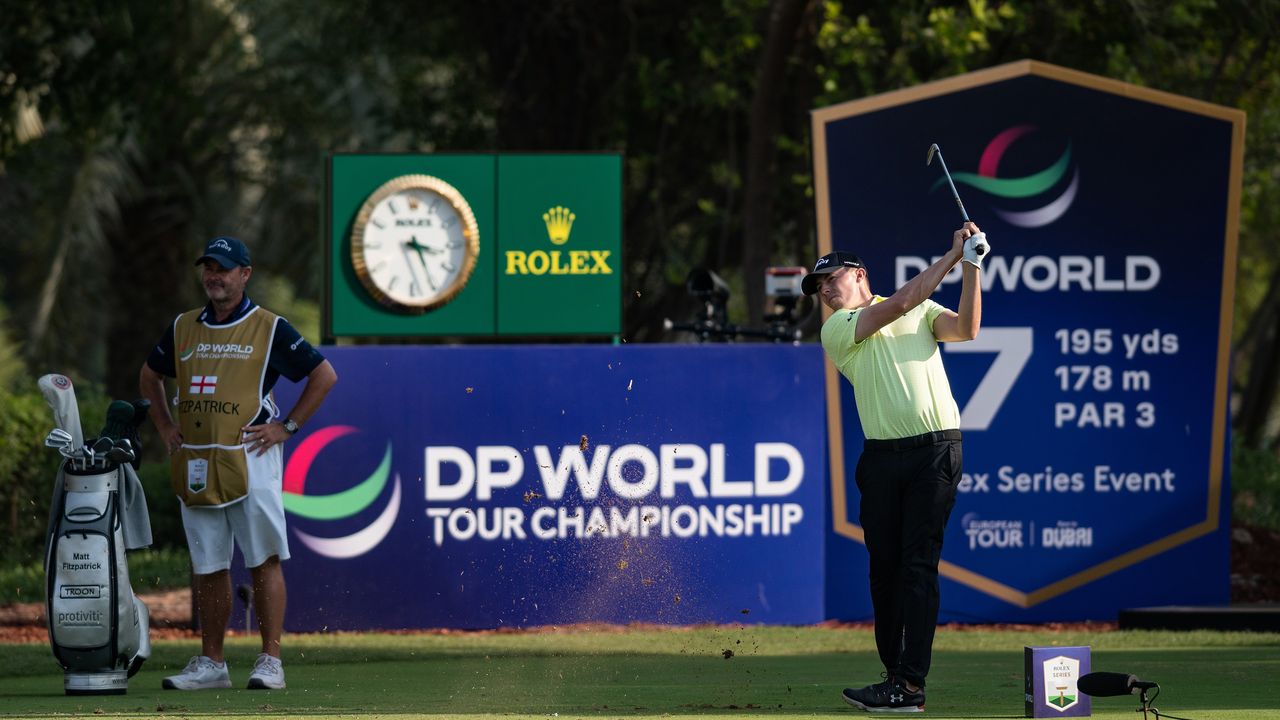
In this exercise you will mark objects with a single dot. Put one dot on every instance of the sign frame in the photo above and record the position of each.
(843, 525)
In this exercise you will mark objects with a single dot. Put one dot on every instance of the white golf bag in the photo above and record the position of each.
(99, 630)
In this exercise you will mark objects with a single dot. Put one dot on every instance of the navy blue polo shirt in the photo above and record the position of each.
(291, 355)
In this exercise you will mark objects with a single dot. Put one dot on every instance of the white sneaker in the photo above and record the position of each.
(199, 674)
(268, 673)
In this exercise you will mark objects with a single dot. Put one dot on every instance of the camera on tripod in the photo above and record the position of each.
(782, 285)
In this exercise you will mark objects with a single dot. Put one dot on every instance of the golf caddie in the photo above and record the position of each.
(910, 464)
(226, 452)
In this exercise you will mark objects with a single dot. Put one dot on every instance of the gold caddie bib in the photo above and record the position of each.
(220, 370)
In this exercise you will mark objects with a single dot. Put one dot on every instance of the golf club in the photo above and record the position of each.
(101, 447)
(928, 160)
(120, 455)
(57, 438)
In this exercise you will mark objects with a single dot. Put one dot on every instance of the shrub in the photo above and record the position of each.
(1255, 492)
(27, 470)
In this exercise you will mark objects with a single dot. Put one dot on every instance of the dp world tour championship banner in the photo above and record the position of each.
(485, 487)
(1094, 401)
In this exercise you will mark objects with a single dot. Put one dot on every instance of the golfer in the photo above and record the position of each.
(225, 450)
(910, 463)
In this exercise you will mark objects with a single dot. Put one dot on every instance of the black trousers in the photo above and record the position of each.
(908, 489)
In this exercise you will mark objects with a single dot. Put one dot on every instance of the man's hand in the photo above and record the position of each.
(976, 248)
(171, 435)
(260, 438)
(959, 237)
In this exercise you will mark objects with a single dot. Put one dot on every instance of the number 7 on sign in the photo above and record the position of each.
(1012, 346)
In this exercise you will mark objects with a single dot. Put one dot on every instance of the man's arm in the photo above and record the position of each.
(958, 327)
(916, 291)
(318, 383)
(151, 385)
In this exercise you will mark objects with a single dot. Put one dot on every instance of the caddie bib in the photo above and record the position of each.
(220, 373)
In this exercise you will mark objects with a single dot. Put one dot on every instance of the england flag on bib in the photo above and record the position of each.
(203, 384)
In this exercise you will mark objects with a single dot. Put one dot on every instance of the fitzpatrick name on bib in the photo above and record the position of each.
(197, 474)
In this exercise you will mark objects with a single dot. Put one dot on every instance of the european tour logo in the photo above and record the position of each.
(559, 223)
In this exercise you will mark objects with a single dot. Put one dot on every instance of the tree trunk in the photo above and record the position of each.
(757, 212)
(1264, 369)
(151, 263)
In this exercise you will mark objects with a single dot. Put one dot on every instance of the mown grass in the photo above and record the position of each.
(659, 673)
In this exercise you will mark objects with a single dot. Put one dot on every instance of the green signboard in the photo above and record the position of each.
(474, 245)
(559, 244)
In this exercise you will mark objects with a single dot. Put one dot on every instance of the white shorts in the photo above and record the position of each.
(255, 523)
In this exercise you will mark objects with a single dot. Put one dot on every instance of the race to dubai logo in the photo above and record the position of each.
(342, 504)
(1037, 184)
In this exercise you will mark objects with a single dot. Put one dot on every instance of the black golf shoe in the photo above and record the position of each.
(886, 696)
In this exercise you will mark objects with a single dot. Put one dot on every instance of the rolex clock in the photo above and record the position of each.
(414, 243)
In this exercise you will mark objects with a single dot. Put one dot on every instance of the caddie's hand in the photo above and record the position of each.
(976, 249)
(171, 434)
(260, 438)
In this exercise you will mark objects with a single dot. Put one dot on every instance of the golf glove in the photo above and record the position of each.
(975, 249)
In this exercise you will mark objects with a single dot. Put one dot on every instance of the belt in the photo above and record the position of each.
(909, 443)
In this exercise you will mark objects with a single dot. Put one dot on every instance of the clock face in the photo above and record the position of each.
(414, 243)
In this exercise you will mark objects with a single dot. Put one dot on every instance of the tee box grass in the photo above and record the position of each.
(727, 671)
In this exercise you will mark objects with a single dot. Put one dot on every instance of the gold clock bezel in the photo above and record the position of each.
(470, 233)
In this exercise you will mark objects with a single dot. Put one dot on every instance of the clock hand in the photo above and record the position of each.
(414, 244)
(409, 264)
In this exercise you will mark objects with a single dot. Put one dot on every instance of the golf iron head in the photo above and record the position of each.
(928, 160)
(58, 438)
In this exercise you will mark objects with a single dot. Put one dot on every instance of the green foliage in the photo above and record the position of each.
(159, 568)
(22, 582)
(1255, 486)
(162, 506)
(276, 293)
(27, 469)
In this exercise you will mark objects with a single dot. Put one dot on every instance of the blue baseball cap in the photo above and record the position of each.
(226, 251)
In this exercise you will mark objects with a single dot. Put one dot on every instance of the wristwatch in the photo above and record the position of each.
(290, 426)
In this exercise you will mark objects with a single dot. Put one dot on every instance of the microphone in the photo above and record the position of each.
(1109, 684)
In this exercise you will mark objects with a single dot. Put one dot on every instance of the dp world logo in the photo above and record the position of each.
(342, 504)
(1039, 186)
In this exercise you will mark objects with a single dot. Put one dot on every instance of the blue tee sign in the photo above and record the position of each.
(1093, 402)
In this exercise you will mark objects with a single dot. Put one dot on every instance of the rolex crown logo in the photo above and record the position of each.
(559, 222)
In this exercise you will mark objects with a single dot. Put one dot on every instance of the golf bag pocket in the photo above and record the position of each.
(80, 612)
(209, 476)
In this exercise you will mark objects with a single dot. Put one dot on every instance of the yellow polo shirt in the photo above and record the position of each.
(899, 384)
